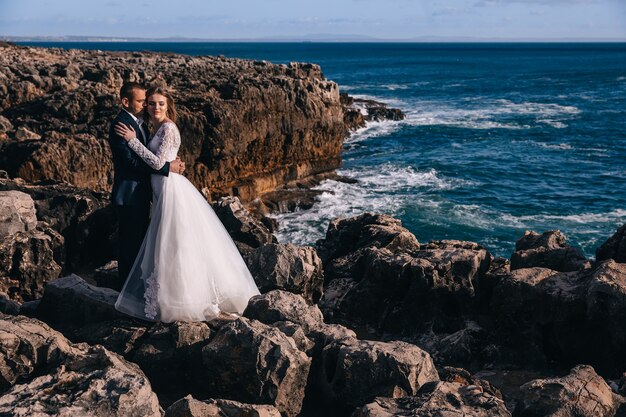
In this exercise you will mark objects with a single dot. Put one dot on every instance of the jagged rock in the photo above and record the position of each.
(461, 376)
(5, 125)
(355, 371)
(190, 407)
(468, 346)
(23, 134)
(120, 336)
(70, 301)
(279, 305)
(42, 373)
(402, 292)
(438, 399)
(29, 260)
(606, 313)
(170, 355)
(548, 250)
(85, 219)
(459, 264)
(28, 347)
(581, 393)
(8, 306)
(346, 236)
(248, 128)
(106, 275)
(298, 335)
(255, 363)
(333, 296)
(293, 268)
(541, 312)
(95, 382)
(17, 213)
(358, 111)
(614, 247)
(561, 316)
(247, 231)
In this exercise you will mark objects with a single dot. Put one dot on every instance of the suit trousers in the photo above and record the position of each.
(134, 221)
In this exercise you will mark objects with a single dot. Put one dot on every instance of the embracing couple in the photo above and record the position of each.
(176, 260)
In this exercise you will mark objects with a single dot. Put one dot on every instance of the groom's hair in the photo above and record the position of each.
(127, 89)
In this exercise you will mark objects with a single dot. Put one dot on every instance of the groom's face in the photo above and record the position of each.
(136, 103)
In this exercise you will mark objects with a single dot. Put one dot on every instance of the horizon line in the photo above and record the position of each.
(322, 38)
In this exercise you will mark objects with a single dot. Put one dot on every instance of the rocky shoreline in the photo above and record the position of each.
(250, 127)
(370, 322)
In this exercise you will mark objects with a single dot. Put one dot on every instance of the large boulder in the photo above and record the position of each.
(400, 292)
(17, 213)
(29, 260)
(540, 313)
(252, 362)
(438, 399)
(354, 372)
(297, 269)
(42, 372)
(279, 305)
(581, 393)
(170, 355)
(85, 219)
(190, 407)
(547, 250)
(346, 238)
(70, 301)
(614, 248)
(246, 230)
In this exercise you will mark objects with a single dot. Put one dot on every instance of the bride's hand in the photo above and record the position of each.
(125, 132)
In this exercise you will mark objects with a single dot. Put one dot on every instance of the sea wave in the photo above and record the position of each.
(389, 101)
(380, 189)
(489, 114)
(373, 129)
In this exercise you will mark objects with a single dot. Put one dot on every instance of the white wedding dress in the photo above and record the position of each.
(188, 267)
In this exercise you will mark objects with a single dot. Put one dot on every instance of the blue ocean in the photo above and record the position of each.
(499, 138)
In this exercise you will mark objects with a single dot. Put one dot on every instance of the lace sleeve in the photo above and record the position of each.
(168, 147)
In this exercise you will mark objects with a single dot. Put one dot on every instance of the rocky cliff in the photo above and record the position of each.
(248, 127)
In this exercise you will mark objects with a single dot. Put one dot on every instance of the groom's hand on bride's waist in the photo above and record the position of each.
(177, 166)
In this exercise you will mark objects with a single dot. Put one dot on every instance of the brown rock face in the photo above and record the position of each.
(289, 267)
(356, 371)
(252, 362)
(28, 260)
(548, 250)
(190, 407)
(17, 213)
(440, 399)
(41, 372)
(85, 219)
(247, 126)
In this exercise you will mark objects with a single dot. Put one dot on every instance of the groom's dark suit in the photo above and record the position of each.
(131, 193)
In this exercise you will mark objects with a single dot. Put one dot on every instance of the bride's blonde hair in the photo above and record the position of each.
(171, 113)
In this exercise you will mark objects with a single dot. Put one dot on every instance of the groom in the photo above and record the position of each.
(132, 191)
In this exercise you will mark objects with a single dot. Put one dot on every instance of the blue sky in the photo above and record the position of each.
(386, 19)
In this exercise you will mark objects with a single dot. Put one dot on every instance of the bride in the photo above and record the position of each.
(188, 267)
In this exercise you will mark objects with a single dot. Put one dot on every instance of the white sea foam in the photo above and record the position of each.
(381, 189)
(389, 101)
(488, 114)
(372, 130)
(561, 146)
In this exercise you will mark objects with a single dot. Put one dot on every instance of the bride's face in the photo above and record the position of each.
(157, 107)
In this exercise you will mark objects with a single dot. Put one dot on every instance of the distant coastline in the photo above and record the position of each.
(309, 38)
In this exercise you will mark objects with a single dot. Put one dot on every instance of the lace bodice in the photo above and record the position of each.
(162, 148)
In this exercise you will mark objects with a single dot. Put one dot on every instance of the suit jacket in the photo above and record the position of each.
(131, 182)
